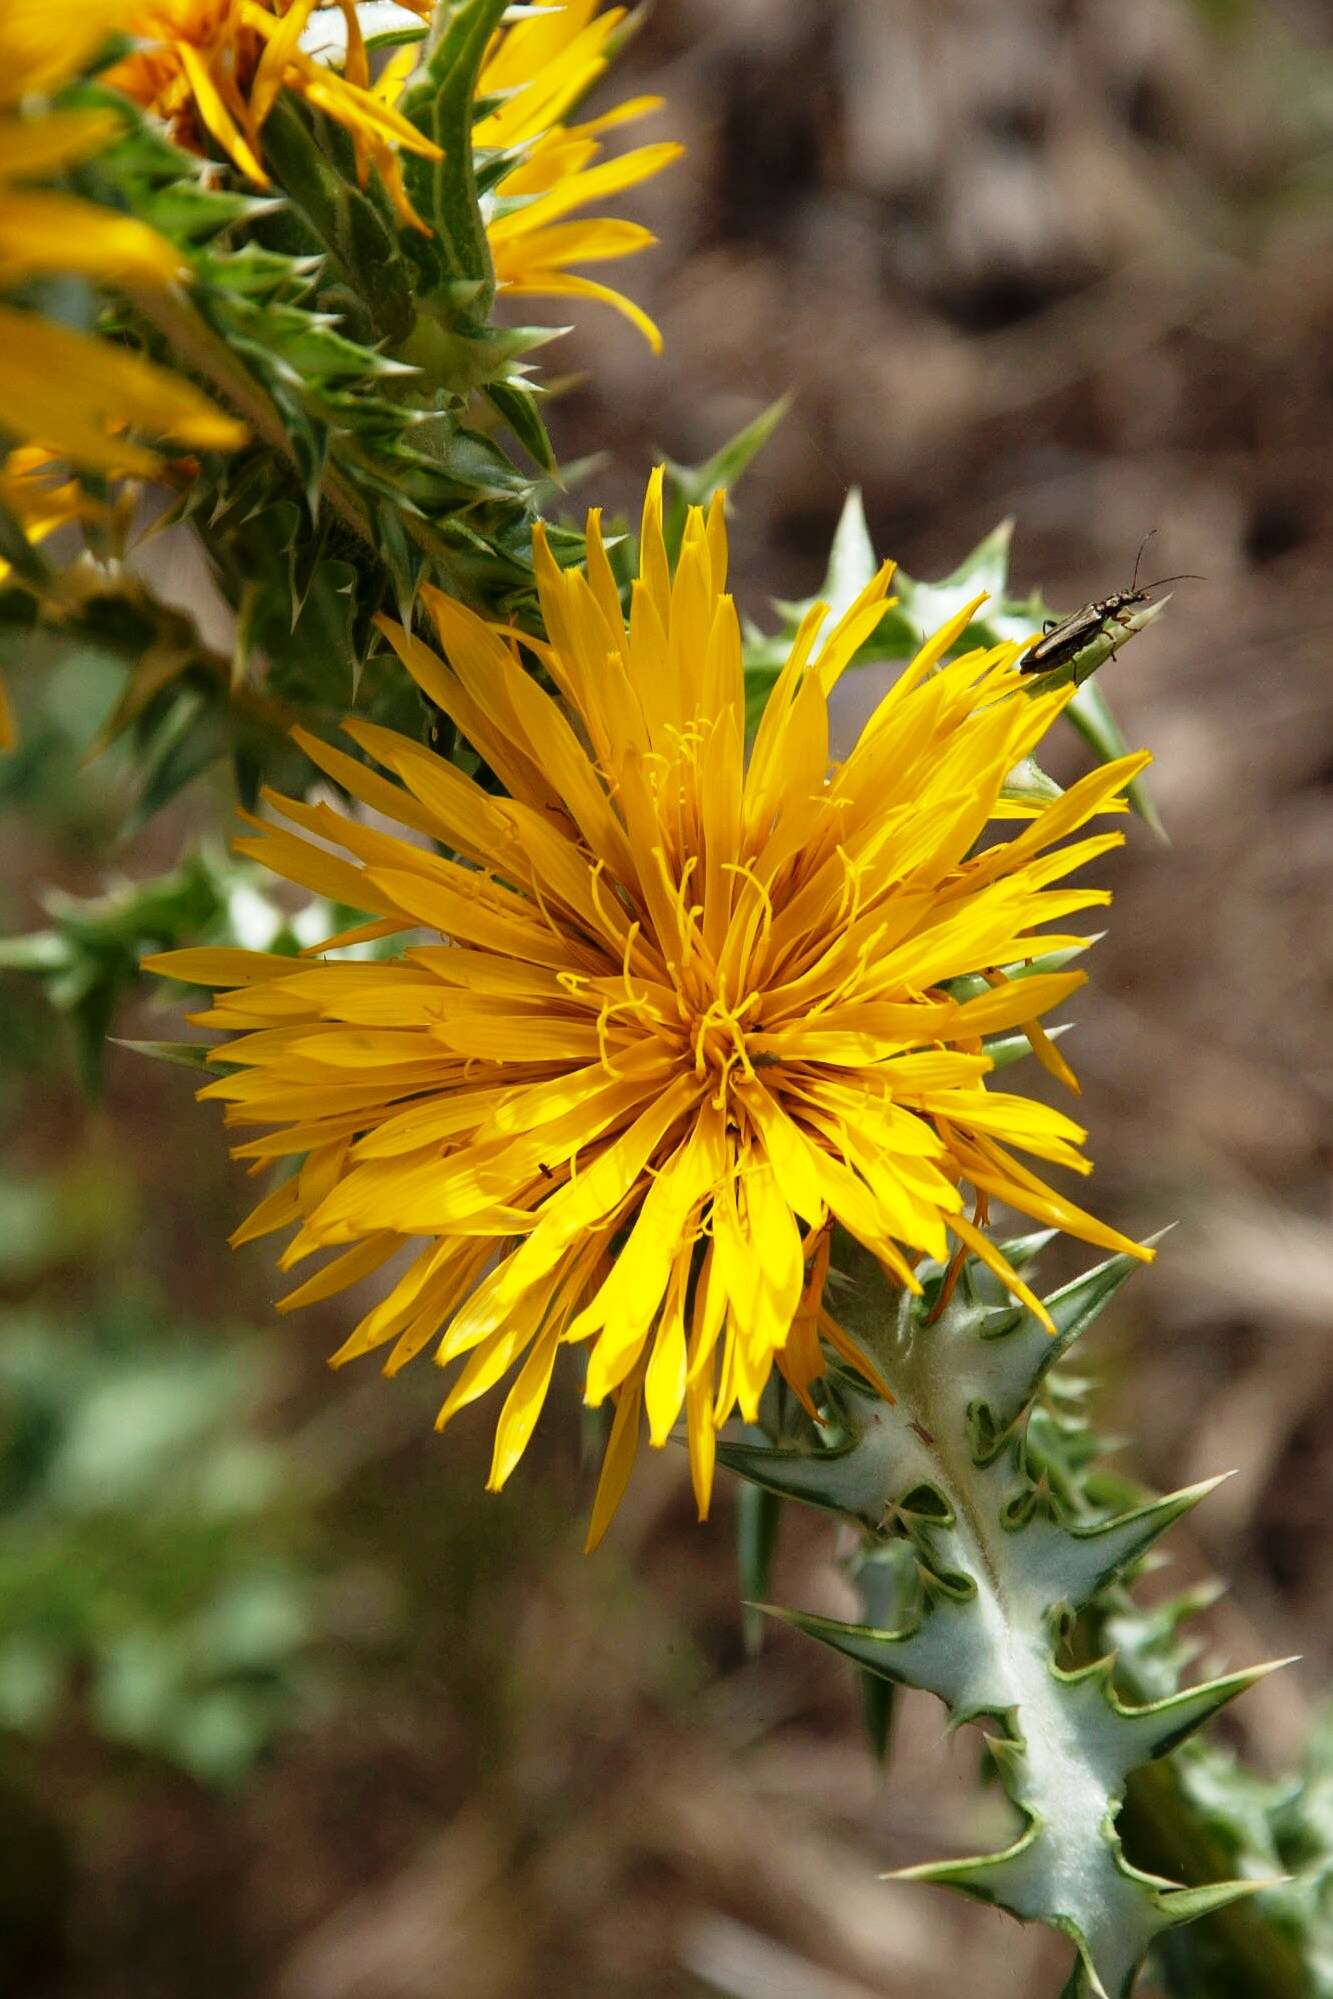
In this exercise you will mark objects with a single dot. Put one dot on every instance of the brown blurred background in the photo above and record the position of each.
(327, 1722)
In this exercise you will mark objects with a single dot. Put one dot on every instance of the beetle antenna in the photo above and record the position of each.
(1139, 557)
(1185, 576)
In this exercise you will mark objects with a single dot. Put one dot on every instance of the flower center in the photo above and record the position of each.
(718, 1042)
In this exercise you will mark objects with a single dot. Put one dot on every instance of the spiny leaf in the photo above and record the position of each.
(1084, 1558)
(694, 485)
(1014, 1353)
(852, 560)
(1028, 784)
(996, 1546)
(1091, 715)
(1163, 1724)
(518, 407)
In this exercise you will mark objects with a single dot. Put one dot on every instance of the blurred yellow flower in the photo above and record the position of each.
(75, 394)
(538, 69)
(80, 396)
(681, 1009)
(214, 69)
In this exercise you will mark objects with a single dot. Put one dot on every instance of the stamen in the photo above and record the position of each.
(717, 1011)
(685, 928)
(639, 1001)
(631, 938)
(549, 920)
(980, 1216)
(687, 913)
(742, 1055)
(637, 1005)
(609, 1009)
(613, 929)
(853, 871)
(753, 943)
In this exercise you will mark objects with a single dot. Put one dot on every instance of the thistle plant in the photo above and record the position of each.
(624, 1043)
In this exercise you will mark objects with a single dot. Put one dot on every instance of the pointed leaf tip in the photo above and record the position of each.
(1155, 1730)
(1090, 1556)
(188, 1054)
(1186, 1905)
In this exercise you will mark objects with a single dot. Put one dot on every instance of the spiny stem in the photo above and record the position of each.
(983, 1540)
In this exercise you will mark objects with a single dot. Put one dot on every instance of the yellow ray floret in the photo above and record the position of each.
(667, 1011)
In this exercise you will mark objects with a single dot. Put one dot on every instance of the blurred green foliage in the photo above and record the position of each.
(144, 1557)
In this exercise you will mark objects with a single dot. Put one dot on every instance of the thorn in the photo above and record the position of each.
(1096, 1990)
(972, 1873)
(832, 1478)
(1094, 1554)
(1159, 1726)
(1008, 1755)
(1183, 1905)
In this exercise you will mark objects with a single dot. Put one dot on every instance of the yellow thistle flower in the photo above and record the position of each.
(676, 1009)
(538, 69)
(215, 68)
(79, 396)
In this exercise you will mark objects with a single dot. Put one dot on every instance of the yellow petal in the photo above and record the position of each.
(216, 115)
(549, 283)
(522, 1407)
(621, 1450)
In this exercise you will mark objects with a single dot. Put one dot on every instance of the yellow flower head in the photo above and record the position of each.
(667, 1011)
(79, 396)
(539, 69)
(213, 69)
